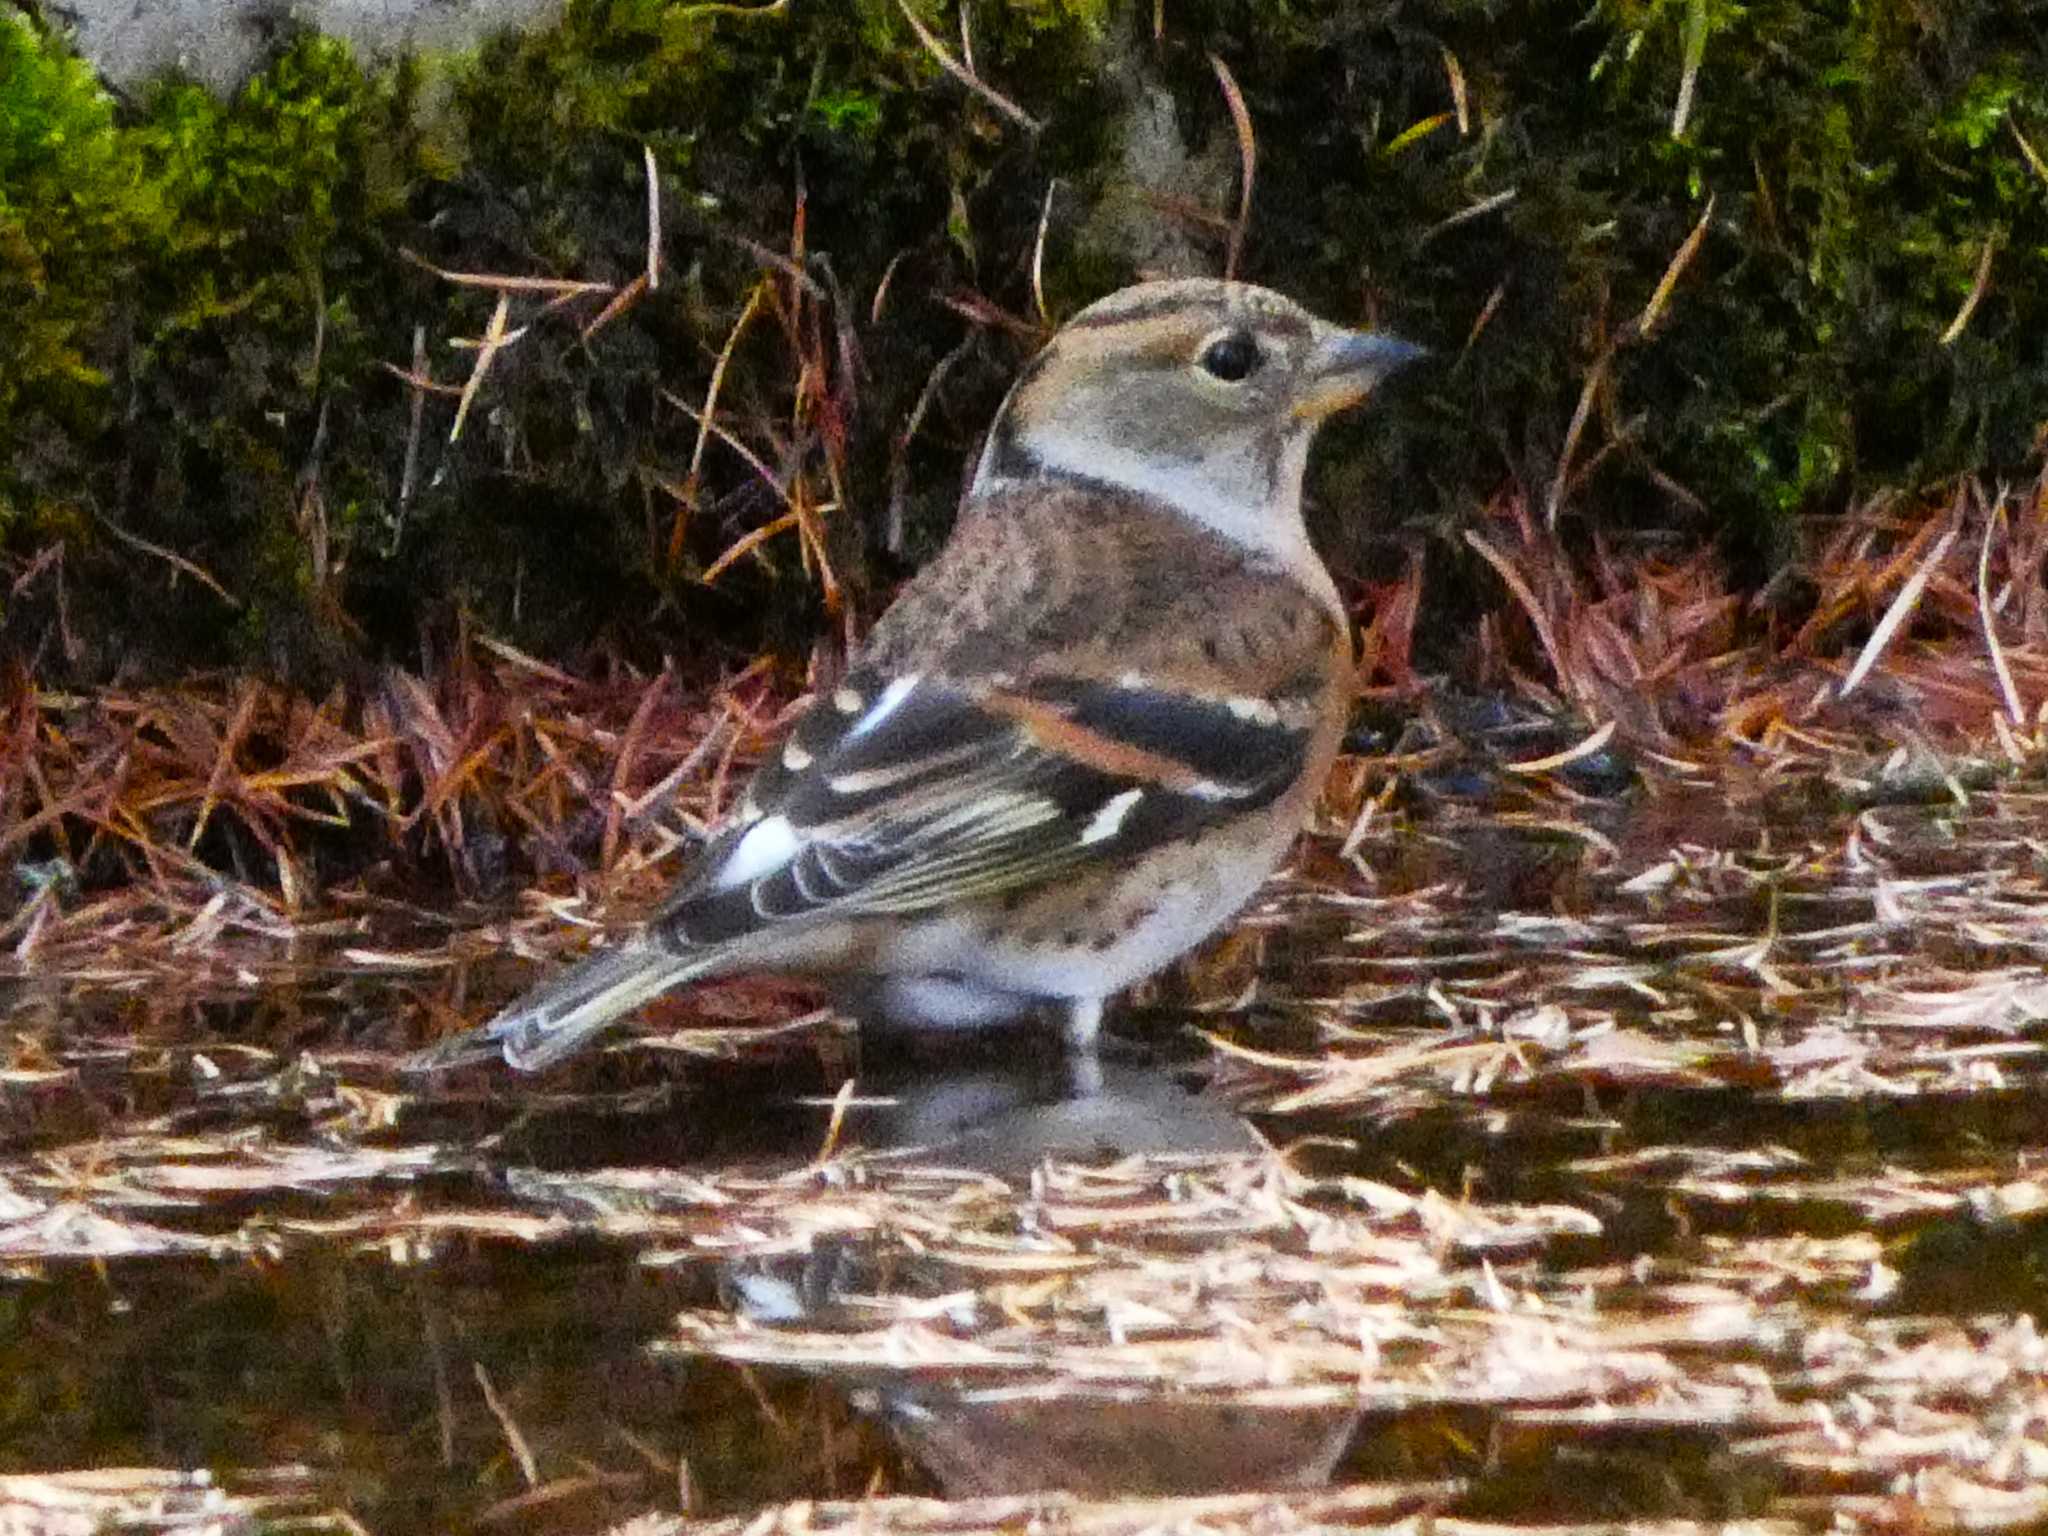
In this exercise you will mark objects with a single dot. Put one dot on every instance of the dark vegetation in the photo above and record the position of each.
(204, 457)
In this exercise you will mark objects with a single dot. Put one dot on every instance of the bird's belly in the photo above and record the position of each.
(1090, 937)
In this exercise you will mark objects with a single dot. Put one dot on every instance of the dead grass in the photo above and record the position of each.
(228, 828)
(153, 1499)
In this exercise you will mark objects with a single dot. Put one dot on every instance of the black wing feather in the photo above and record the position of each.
(952, 797)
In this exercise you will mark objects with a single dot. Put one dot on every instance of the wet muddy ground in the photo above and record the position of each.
(1557, 1152)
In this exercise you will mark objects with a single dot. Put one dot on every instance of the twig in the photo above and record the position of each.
(1247, 162)
(841, 1102)
(1653, 311)
(1695, 53)
(899, 458)
(1527, 599)
(621, 301)
(223, 763)
(1486, 314)
(1595, 377)
(1586, 748)
(1455, 73)
(1037, 253)
(882, 287)
(720, 8)
(487, 347)
(711, 390)
(966, 76)
(561, 287)
(622, 767)
(1900, 610)
(749, 542)
(770, 257)
(1416, 132)
(426, 383)
(2006, 686)
(191, 568)
(2033, 155)
(718, 430)
(408, 474)
(653, 218)
(1480, 209)
(521, 1452)
(1975, 296)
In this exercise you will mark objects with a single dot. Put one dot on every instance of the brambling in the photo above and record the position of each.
(1081, 738)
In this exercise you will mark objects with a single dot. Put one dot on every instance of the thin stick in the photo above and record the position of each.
(197, 572)
(1037, 252)
(1486, 314)
(719, 431)
(836, 1126)
(966, 76)
(521, 1451)
(425, 382)
(2006, 685)
(748, 542)
(566, 287)
(1695, 54)
(2033, 155)
(899, 465)
(223, 763)
(1479, 209)
(494, 338)
(732, 340)
(408, 475)
(882, 287)
(1653, 311)
(620, 302)
(1586, 748)
(1527, 599)
(1455, 73)
(1595, 376)
(1975, 296)
(653, 218)
(1247, 161)
(1896, 615)
(718, 8)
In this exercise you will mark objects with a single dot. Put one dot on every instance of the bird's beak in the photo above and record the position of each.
(1346, 366)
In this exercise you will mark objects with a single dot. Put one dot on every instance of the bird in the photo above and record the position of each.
(1079, 739)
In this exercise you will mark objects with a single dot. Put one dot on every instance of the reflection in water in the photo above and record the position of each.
(1006, 1103)
(1012, 1104)
(1014, 1440)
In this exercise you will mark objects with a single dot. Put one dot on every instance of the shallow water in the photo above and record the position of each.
(1670, 1156)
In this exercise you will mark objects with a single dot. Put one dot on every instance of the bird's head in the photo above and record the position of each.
(1201, 393)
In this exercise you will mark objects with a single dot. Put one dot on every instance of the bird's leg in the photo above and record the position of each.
(1082, 1059)
(1083, 1024)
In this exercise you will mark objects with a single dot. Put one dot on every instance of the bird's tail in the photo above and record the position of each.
(562, 1015)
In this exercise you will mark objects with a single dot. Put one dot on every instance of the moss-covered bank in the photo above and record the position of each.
(197, 298)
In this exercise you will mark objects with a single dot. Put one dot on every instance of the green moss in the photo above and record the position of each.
(75, 206)
(197, 296)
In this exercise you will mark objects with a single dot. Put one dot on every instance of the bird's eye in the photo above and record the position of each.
(1233, 357)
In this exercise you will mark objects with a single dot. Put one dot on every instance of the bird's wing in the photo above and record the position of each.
(909, 794)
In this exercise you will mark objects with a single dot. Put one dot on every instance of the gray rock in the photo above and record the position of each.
(221, 42)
